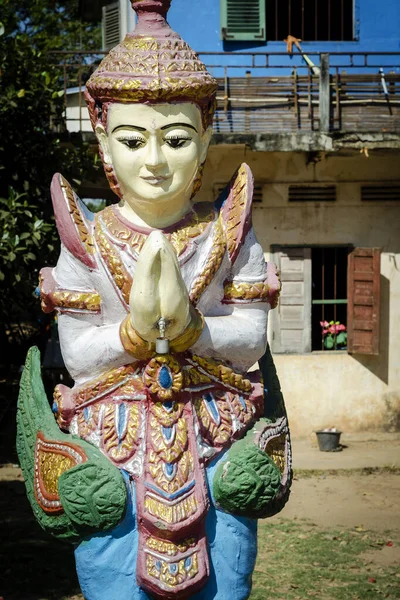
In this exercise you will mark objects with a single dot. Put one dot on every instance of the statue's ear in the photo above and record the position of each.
(102, 138)
(205, 142)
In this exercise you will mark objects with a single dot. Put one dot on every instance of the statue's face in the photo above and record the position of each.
(155, 150)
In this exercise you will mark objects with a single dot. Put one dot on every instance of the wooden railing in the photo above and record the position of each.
(275, 92)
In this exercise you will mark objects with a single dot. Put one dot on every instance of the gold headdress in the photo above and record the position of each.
(152, 64)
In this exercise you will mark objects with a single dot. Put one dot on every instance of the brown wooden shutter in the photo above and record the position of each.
(363, 287)
(291, 319)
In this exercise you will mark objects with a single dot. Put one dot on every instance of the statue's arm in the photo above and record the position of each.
(255, 476)
(236, 330)
(90, 339)
(239, 337)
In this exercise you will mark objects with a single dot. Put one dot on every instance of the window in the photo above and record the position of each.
(242, 20)
(326, 284)
(328, 291)
(274, 20)
(310, 20)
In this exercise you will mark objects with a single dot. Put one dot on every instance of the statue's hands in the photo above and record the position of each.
(144, 300)
(174, 297)
(158, 291)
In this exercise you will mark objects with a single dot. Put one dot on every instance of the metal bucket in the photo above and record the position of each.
(328, 441)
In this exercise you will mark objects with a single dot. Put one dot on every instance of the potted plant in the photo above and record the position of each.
(334, 335)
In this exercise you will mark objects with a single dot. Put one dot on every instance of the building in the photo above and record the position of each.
(323, 141)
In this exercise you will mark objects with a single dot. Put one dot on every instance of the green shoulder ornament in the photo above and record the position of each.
(254, 480)
(72, 487)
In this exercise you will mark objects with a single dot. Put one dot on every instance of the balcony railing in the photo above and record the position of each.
(275, 92)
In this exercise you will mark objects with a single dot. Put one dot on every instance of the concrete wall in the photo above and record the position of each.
(352, 392)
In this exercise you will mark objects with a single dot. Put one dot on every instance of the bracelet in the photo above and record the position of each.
(133, 343)
(191, 334)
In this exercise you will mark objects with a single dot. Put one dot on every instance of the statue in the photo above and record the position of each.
(165, 452)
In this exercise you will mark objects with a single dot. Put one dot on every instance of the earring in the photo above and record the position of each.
(112, 179)
(197, 180)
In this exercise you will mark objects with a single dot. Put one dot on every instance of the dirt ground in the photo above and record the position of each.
(36, 567)
(352, 500)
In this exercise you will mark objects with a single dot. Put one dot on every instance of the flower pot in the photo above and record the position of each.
(328, 441)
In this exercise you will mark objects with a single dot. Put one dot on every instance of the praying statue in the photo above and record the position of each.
(158, 462)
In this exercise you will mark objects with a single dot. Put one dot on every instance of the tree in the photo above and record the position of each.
(33, 147)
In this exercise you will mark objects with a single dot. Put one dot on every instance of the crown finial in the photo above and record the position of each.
(160, 7)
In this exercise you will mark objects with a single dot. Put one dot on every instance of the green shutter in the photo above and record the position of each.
(243, 20)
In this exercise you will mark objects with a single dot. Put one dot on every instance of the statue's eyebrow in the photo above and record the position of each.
(178, 125)
(136, 127)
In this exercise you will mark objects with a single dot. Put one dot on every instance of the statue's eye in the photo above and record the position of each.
(177, 141)
(133, 143)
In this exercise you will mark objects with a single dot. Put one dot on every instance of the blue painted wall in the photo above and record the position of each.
(376, 25)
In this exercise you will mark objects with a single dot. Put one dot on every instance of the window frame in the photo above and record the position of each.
(368, 278)
(266, 18)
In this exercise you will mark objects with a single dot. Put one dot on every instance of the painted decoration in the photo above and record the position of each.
(159, 460)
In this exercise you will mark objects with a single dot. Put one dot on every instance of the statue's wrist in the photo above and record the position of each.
(132, 342)
(191, 334)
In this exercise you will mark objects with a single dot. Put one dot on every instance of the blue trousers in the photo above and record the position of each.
(106, 562)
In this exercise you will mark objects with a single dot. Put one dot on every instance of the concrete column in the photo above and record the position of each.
(324, 94)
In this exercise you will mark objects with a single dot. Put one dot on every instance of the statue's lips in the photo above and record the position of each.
(155, 179)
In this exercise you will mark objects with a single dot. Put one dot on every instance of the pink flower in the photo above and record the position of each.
(341, 327)
(324, 323)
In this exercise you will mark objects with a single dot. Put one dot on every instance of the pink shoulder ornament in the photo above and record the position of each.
(74, 221)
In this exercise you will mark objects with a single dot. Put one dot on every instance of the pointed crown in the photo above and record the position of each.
(152, 64)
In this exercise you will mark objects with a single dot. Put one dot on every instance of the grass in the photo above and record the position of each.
(297, 560)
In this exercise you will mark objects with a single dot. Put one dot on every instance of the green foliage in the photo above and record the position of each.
(33, 142)
(95, 206)
(23, 235)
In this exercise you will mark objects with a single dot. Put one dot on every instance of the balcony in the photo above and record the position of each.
(276, 101)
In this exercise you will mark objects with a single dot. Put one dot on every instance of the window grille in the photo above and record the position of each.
(329, 290)
(380, 193)
(310, 20)
(315, 193)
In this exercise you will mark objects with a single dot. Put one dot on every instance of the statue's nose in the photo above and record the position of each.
(155, 156)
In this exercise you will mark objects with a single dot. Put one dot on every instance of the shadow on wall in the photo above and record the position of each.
(379, 364)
